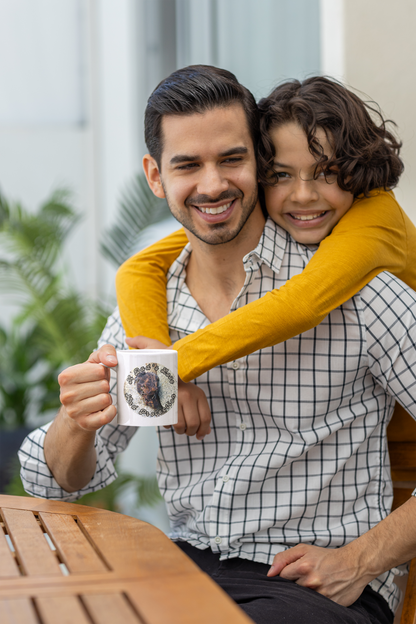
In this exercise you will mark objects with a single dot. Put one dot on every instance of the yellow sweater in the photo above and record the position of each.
(374, 235)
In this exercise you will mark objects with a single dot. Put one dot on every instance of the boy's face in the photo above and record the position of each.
(306, 208)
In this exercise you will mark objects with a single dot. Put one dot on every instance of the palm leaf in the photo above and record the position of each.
(55, 326)
(138, 210)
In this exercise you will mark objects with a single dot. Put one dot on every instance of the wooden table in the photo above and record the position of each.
(80, 565)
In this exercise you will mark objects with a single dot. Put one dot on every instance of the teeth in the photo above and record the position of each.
(218, 210)
(308, 217)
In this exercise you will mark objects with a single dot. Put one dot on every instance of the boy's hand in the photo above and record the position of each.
(142, 342)
(194, 415)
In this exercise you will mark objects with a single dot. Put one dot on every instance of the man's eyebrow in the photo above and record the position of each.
(181, 158)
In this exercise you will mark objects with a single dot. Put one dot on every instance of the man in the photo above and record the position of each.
(298, 430)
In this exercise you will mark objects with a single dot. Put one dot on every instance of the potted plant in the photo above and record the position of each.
(55, 326)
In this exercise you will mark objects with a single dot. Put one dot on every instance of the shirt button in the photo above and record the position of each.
(226, 478)
(235, 365)
(218, 540)
(243, 426)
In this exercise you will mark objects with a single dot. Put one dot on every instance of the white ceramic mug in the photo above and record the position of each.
(147, 387)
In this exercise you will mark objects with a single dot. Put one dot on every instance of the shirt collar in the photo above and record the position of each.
(270, 249)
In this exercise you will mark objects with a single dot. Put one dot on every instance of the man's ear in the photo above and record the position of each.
(151, 171)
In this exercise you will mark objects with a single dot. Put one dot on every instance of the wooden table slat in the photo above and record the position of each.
(147, 576)
(135, 548)
(35, 556)
(8, 565)
(74, 549)
(187, 600)
(17, 611)
(62, 610)
(110, 608)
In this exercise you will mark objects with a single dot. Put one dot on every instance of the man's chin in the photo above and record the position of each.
(219, 235)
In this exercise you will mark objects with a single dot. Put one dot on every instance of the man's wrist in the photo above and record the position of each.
(73, 428)
(363, 556)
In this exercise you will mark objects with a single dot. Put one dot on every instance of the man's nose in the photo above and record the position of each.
(304, 191)
(212, 182)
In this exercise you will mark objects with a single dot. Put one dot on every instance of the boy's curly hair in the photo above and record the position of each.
(365, 153)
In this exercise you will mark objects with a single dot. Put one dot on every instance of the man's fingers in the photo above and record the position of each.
(104, 355)
(79, 409)
(74, 392)
(96, 420)
(284, 559)
(83, 373)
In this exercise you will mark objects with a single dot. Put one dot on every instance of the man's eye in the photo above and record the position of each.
(187, 166)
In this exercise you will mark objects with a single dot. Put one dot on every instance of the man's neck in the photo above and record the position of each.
(215, 273)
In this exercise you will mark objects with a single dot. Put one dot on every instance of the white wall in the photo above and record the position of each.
(70, 75)
(380, 60)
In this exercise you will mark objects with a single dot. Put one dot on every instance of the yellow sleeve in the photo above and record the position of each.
(374, 235)
(141, 288)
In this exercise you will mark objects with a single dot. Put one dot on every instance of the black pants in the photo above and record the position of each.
(279, 601)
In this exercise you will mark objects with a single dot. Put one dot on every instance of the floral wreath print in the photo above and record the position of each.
(150, 390)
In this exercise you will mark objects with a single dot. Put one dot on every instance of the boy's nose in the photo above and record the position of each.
(304, 191)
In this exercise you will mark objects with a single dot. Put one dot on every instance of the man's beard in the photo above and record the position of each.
(219, 233)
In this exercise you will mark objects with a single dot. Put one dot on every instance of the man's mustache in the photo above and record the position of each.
(206, 199)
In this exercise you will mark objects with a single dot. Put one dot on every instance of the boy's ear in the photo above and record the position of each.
(151, 171)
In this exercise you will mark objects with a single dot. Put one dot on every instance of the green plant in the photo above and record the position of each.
(138, 210)
(27, 380)
(55, 326)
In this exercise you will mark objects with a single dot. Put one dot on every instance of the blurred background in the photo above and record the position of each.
(75, 76)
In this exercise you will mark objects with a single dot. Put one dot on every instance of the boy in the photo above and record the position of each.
(375, 235)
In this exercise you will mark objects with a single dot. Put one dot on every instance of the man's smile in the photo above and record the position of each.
(214, 210)
(217, 212)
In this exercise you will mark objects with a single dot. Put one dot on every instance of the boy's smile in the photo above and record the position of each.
(306, 208)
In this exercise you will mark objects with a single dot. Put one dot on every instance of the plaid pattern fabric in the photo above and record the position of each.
(298, 449)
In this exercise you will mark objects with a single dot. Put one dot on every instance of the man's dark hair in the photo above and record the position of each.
(365, 153)
(195, 89)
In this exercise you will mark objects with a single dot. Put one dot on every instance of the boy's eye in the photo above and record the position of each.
(328, 173)
(235, 159)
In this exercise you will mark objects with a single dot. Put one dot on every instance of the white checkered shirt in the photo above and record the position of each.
(298, 449)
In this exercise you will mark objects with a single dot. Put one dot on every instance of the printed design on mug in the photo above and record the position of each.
(151, 390)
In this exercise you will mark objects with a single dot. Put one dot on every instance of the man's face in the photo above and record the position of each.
(306, 208)
(208, 172)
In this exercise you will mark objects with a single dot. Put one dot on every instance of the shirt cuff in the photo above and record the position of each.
(39, 481)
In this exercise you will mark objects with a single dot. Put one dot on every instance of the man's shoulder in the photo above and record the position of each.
(386, 291)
